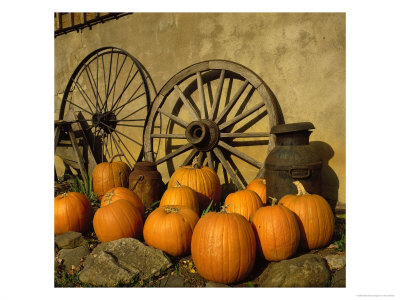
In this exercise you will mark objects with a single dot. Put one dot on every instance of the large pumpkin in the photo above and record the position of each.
(260, 187)
(223, 247)
(202, 179)
(170, 228)
(72, 212)
(119, 219)
(119, 193)
(180, 195)
(277, 232)
(244, 202)
(314, 215)
(107, 175)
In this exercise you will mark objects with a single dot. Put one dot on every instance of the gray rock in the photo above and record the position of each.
(121, 261)
(172, 281)
(336, 262)
(72, 257)
(309, 270)
(215, 284)
(339, 278)
(70, 240)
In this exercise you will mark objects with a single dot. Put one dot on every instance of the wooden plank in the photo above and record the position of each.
(78, 154)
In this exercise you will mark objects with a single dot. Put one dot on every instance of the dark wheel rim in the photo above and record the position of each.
(219, 110)
(112, 91)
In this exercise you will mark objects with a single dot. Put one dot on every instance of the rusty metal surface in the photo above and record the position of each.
(146, 182)
(292, 159)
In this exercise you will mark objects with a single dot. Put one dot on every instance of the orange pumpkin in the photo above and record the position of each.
(223, 247)
(170, 228)
(202, 179)
(260, 187)
(180, 195)
(72, 212)
(314, 215)
(244, 202)
(108, 175)
(119, 219)
(277, 232)
(119, 193)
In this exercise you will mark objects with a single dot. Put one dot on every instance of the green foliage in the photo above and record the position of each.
(151, 207)
(341, 243)
(250, 284)
(207, 209)
(85, 187)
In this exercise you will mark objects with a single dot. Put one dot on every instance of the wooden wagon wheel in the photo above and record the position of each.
(222, 111)
(112, 91)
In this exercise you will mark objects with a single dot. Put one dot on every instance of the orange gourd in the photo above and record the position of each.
(277, 232)
(202, 179)
(223, 247)
(72, 212)
(259, 186)
(170, 228)
(314, 215)
(119, 219)
(244, 202)
(180, 195)
(108, 175)
(119, 193)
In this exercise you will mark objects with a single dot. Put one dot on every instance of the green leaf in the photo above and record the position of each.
(207, 209)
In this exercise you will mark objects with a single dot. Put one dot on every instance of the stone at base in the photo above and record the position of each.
(339, 278)
(309, 270)
(72, 257)
(172, 281)
(69, 240)
(215, 284)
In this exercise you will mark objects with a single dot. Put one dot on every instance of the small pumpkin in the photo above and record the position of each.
(259, 186)
(180, 195)
(243, 202)
(108, 175)
(223, 247)
(119, 193)
(170, 228)
(314, 215)
(119, 219)
(202, 179)
(72, 212)
(277, 232)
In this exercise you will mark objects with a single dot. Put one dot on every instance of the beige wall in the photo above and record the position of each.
(301, 57)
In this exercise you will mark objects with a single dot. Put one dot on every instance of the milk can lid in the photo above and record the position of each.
(292, 127)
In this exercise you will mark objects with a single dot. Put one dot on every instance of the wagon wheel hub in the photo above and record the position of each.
(106, 121)
(202, 134)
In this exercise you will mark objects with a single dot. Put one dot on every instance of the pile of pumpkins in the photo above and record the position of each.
(223, 244)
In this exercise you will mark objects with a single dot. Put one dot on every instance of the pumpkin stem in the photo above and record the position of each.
(195, 163)
(116, 155)
(264, 181)
(300, 188)
(177, 184)
(273, 200)
(169, 209)
(65, 194)
(109, 195)
(224, 207)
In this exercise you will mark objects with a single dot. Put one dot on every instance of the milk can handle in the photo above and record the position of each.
(299, 172)
(141, 177)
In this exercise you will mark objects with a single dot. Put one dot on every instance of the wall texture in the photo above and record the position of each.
(301, 57)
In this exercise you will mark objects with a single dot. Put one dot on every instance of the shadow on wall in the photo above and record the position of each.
(329, 179)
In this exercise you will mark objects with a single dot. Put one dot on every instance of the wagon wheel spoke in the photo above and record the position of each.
(200, 157)
(186, 103)
(210, 160)
(189, 158)
(238, 173)
(243, 134)
(126, 148)
(72, 103)
(117, 131)
(126, 85)
(168, 136)
(240, 154)
(178, 151)
(120, 150)
(85, 96)
(200, 88)
(241, 116)
(232, 102)
(214, 108)
(177, 120)
(128, 102)
(227, 167)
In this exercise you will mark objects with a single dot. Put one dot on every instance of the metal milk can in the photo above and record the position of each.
(292, 159)
(146, 182)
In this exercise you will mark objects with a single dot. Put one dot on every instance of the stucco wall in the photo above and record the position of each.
(301, 57)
